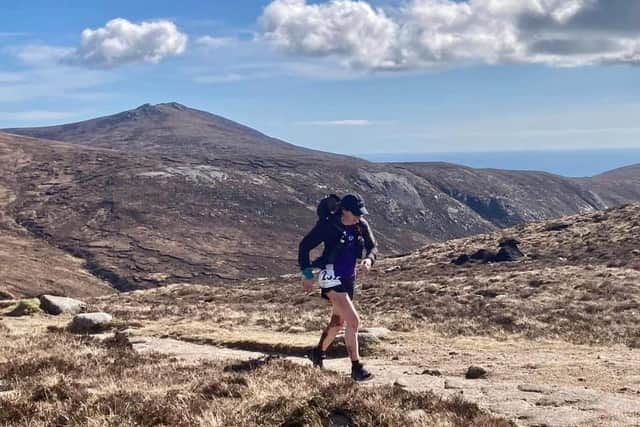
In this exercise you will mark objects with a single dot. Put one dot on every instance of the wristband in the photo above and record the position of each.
(307, 273)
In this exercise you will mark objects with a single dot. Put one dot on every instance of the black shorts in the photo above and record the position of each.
(346, 286)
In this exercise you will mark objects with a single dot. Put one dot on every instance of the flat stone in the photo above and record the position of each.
(534, 388)
(57, 305)
(377, 332)
(88, 323)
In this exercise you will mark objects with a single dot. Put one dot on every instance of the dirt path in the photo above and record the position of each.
(526, 403)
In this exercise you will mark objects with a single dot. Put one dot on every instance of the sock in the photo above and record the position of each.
(355, 364)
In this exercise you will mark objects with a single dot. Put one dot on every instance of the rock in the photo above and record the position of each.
(377, 332)
(487, 293)
(26, 307)
(509, 251)
(401, 383)
(636, 251)
(483, 255)
(534, 388)
(556, 226)
(475, 372)
(461, 260)
(296, 330)
(58, 305)
(432, 372)
(367, 342)
(88, 323)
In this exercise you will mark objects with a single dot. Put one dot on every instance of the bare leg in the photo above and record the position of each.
(330, 332)
(343, 306)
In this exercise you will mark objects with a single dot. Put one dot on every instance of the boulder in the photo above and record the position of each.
(475, 372)
(88, 323)
(368, 341)
(380, 333)
(535, 388)
(58, 305)
(509, 251)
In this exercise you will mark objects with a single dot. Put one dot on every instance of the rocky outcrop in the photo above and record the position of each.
(57, 305)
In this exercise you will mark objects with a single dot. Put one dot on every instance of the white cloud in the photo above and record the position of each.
(351, 29)
(214, 42)
(42, 54)
(122, 42)
(434, 33)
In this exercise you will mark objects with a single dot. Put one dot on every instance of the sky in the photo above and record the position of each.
(353, 77)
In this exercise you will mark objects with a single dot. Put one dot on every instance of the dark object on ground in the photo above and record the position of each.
(475, 372)
(509, 251)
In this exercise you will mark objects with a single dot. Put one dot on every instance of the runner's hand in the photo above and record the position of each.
(307, 285)
(366, 265)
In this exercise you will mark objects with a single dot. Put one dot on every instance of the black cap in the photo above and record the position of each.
(354, 204)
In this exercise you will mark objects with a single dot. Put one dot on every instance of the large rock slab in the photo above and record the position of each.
(89, 323)
(368, 342)
(58, 305)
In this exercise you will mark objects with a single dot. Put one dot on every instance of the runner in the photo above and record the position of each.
(346, 236)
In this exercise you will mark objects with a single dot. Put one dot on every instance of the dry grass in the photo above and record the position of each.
(579, 283)
(60, 379)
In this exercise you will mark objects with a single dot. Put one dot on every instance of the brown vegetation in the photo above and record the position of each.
(577, 283)
(67, 380)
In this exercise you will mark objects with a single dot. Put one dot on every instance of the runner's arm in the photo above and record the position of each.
(308, 243)
(370, 244)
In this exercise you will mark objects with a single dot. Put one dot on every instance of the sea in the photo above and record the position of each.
(568, 163)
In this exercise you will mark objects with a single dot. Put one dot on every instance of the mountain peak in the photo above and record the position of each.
(160, 107)
(171, 128)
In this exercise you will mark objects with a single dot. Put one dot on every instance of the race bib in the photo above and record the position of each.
(327, 278)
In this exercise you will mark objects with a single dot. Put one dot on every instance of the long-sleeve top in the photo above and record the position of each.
(333, 234)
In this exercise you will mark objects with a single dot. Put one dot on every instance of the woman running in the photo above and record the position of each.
(346, 236)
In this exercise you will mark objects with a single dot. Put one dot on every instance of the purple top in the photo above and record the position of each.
(345, 264)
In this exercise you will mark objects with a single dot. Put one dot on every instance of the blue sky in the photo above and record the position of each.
(352, 77)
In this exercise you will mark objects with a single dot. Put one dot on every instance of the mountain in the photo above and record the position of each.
(172, 129)
(163, 194)
(617, 186)
(506, 198)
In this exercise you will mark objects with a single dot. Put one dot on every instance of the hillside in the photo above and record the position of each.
(30, 266)
(556, 329)
(616, 186)
(166, 193)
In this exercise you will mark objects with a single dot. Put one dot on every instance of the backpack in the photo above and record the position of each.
(327, 207)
